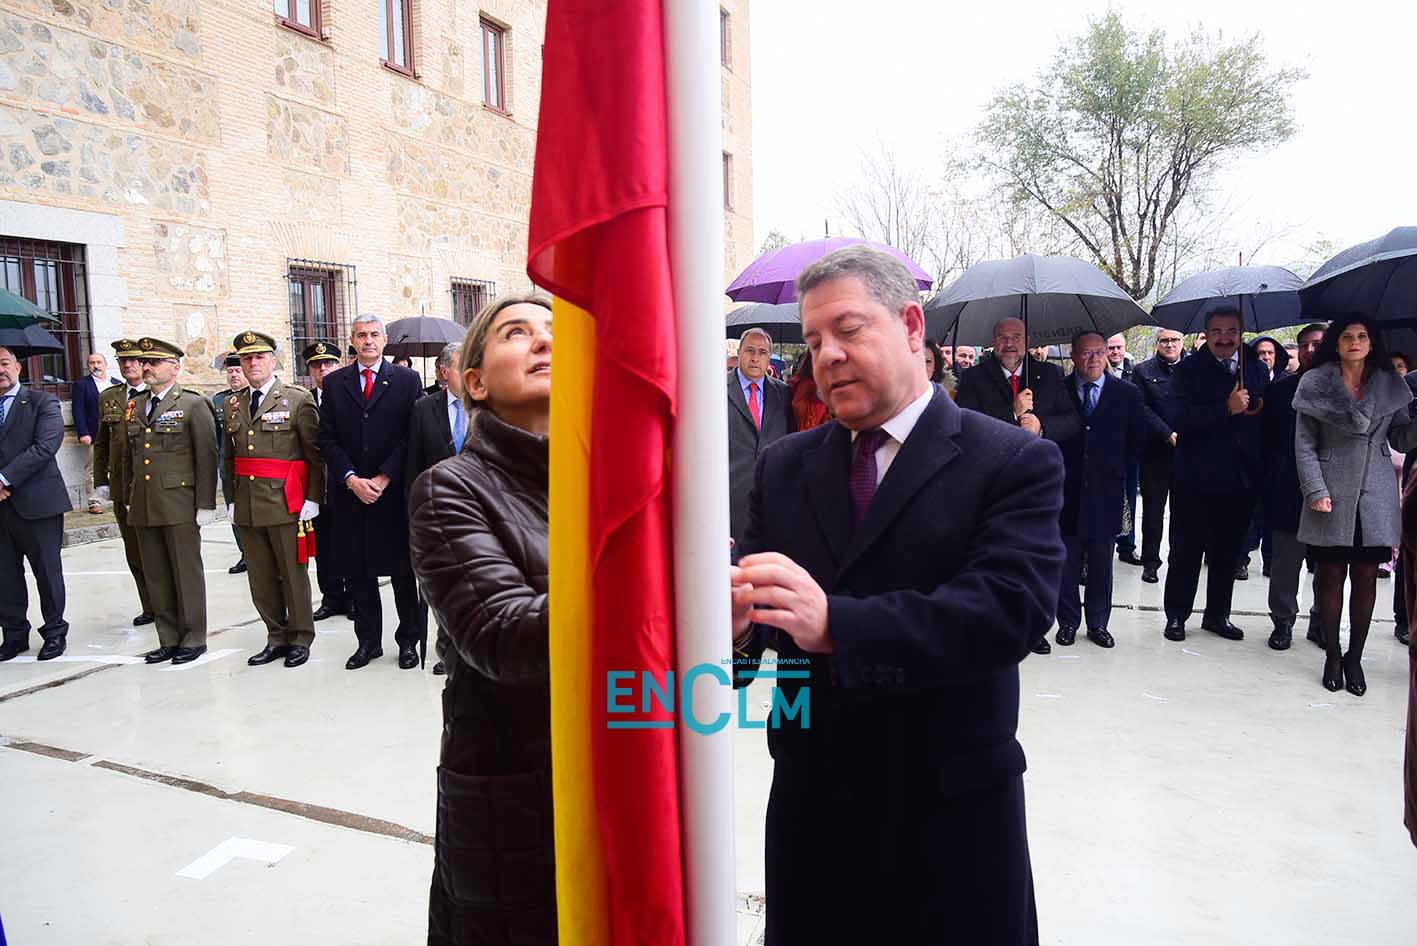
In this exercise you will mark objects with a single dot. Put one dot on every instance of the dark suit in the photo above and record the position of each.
(1218, 476)
(430, 439)
(368, 438)
(1283, 502)
(32, 519)
(1153, 378)
(746, 441)
(897, 816)
(333, 591)
(1098, 462)
(983, 388)
(84, 401)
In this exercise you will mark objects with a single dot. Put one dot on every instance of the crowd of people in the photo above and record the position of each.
(1248, 455)
(939, 511)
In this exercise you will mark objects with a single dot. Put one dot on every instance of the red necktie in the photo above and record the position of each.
(753, 407)
(368, 382)
(1013, 383)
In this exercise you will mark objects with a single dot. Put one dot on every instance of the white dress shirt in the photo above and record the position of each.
(897, 429)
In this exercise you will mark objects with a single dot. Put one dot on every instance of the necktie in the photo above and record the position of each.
(459, 427)
(753, 407)
(5, 407)
(1013, 383)
(255, 400)
(1230, 366)
(862, 481)
(368, 382)
(1090, 398)
(132, 393)
(152, 407)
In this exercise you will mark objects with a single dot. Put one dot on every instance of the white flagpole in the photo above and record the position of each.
(700, 464)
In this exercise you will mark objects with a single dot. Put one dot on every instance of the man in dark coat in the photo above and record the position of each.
(84, 404)
(33, 501)
(322, 358)
(364, 437)
(1153, 378)
(1282, 501)
(1121, 367)
(437, 431)
(759, 412)
(1218, 470)
(907, 557)
(1097, 461)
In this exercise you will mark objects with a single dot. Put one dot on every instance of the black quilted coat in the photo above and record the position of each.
(478, 535)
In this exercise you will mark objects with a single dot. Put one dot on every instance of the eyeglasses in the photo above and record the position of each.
(1089, 354)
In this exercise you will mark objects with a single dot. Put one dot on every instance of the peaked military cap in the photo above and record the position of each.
(252, 343)
(232, 360)
(126, 348)
(320, 351)
(156, 349)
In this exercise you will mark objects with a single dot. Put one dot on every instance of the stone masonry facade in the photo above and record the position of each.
(216, 144)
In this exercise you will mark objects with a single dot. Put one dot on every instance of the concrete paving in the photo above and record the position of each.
(1205, 792)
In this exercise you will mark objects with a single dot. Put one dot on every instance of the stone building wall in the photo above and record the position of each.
(738, 247)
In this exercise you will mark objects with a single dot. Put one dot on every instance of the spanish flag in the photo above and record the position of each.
(599, 242)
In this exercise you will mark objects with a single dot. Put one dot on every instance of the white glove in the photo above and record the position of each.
(231, 511)
(206, 517)
(309, 510)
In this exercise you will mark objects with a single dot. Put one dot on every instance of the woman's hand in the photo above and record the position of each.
(1322, 505)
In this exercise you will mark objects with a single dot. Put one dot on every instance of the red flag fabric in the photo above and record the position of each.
(598, 238)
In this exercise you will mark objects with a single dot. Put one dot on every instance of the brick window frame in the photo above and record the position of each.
(495, 85)
(315, 29)
(322, 299)
(469, 296)
(53, 276)
(725, 38)
(727, 181)
(388, 19)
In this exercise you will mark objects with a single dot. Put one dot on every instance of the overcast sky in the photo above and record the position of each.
(829, 76)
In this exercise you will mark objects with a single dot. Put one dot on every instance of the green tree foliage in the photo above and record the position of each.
(1124, 126)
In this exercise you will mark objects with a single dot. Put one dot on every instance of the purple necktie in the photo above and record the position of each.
(862, 481)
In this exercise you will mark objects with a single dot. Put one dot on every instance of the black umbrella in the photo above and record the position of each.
(783, 321)
(1377, 279)
(422, 336)
(1266, 296)
(30, 340)
(1055, 296)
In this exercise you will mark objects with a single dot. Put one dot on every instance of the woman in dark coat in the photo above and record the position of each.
(478, 530)
(1352, 407)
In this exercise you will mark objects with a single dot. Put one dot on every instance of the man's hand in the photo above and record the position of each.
(381, 482)
(1030, 423)
(1171, 439)
(86, 440)
(1023, 403)
(786, 597)
(1239, 400)
(742, 605)
(1322, 505)
(4, 493)
(309, 510)
(367, 492)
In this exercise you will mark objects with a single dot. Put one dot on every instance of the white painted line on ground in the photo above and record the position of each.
(1159, 699)
(1049, 696)
(81, 659)
(1192, 653)
(228, 851)
(1322, 705)
(1067, 656)
(206, 658)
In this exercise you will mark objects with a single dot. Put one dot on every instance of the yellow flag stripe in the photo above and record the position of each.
(583, 913)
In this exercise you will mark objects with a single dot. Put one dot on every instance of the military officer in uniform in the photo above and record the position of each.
(320, 359)
(110, 459)
(272, 452)
(171, 493)
(235, 385)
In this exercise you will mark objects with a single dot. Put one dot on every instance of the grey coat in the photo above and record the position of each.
(1341, 451)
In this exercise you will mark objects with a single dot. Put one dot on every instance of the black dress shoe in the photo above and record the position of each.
(161, 655)
(297, 655)
(1226, 630)
(1357, 684)
(145, 618)
(439, 670)
(238, 568)
(1281, 637)
(1333, 673)
(1066, 636)
(267, 655)
(1129, 557)
(52, 648)
(10, 649)
(1042, 647)
(408, 656)
(1175, 630)
(1148, 574)
(327, 611)
(1403, 635)
(185, 655)
(361, 657)
(1315, 635)
(1242, 572)
(1101, 638)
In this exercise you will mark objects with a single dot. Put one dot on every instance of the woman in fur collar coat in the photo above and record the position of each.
(1352, 406)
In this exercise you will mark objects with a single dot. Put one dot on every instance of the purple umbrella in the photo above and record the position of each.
(772, 277)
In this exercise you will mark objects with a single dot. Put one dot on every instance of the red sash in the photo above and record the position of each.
(292, 472)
